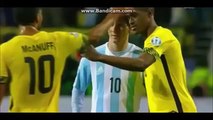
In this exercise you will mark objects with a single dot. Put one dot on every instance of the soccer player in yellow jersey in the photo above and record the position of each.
(162, 61)
(35, 61)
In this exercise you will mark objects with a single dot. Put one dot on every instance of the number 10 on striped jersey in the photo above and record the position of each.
(115, 85)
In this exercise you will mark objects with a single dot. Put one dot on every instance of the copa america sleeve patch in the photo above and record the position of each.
(75, 34)
(156, 41)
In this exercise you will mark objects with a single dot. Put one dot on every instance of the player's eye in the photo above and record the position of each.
(134, 14)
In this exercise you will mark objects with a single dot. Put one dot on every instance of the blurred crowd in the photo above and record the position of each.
(192, 26)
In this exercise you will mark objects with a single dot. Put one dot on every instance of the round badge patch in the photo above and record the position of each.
(156, 41)
(75, 34)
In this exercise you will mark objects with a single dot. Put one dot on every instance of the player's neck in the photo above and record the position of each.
(151, 28)
(28, 30)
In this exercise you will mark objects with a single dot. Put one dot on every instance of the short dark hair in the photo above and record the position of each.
(25, 16)
(150, 9)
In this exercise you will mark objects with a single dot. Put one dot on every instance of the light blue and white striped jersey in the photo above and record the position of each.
(113, 89)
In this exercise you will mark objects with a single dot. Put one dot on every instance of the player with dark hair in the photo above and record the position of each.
(161, 61)
(35, 61)
(113, 89)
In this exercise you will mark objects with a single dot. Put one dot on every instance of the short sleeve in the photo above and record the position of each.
(70, 42)
(156, 46)
(76, 39)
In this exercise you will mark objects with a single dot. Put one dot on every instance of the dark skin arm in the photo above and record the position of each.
(99, 30)
(2, 91)
(132, 64)
(3, 87)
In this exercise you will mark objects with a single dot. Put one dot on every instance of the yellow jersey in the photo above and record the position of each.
(165, 79)
(35, 64)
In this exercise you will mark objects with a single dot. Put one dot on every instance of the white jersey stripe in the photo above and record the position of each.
(94, 86)
(107, 75)
(111, 89)
(123, 93)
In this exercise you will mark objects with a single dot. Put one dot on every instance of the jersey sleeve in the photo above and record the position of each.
(156, 46)
(83, 77)
(73, 42)
(3, 66)
(82, 81)
(77, 40)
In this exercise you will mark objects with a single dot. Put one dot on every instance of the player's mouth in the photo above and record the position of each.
(114, 36)
(133, 28)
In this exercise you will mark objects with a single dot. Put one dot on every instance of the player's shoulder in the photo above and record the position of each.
(166, 32)
(163, 29)
(161, 34)
(58, 33)
(136, 50)
(101, 48)
(134, 47)
(83, 59)
(84, 62)
(10, 42)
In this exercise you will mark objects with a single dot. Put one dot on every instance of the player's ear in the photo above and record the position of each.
(150, 11)
(39, 17)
